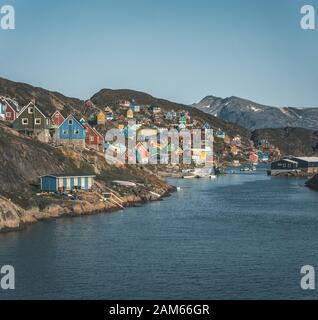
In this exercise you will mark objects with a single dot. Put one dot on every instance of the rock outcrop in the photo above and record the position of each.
(313, 182)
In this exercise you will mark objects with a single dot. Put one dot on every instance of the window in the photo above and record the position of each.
(37, 121)
(65, 131)
(25, 121)
(91, 138)
(8, 114)
(30, 110)
(76, 131)
(70, 122)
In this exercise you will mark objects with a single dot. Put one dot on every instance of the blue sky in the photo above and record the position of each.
(178, 50)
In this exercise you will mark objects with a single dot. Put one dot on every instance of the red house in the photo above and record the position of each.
(94, 139)
(57, 119)
(10, 109)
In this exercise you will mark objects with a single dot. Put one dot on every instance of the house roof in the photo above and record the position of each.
(58, 112)
(307, 159)
(12, 103)
(64, 175)
(287, 160)
(94, 130)
(72, 116)
(34, 105)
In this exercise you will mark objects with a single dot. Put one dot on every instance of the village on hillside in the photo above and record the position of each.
(88, 131)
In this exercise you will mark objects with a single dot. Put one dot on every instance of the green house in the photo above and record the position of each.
(31, 118)
(220, 134)
(183, 120)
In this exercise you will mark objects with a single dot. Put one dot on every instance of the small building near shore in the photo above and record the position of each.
(284, 165)
(307, 164)
(302, 164)
(64, 182)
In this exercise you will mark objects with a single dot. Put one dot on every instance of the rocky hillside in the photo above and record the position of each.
(48, 100)
(290, 141)
(253, 116)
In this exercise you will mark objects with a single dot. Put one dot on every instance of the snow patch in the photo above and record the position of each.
(255, 109)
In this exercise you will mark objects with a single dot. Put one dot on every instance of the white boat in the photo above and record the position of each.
(202, 172)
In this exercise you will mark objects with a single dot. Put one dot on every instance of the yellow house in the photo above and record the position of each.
(108, 110)
(101, 118)
(130, 114)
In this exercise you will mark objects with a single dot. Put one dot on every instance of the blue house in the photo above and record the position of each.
(71, 132)
(2, 110)
(60, 183)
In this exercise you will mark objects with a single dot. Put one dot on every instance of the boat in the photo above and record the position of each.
(188, 177)
(248, 169)
(202, 172)
(212, 176)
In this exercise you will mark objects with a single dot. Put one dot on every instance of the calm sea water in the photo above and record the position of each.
(240, 236)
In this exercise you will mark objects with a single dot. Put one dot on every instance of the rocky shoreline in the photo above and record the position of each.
(15, 218)
(313, 182)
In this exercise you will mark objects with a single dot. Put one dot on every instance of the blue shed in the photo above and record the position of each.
(59, 183)
(71, 130)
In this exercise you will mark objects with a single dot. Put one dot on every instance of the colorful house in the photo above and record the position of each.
(82, 121)
(169, 116)
(253, 157)
(142, 153)
(101, 118)
(33, 122)
(237, 140)
(220, 134)
(31, 118)
(134, 107)
(61, 183)
(144, 134)
(130, 114)
(93, 138)
(2, 111)
(124, 103)
(155, 109)
(263, 157)
(108, 110)
(9, 109)
(92, 120)
(71, 133)
(183, 120)
(263, 142)
(109, 116)
(57, 119)
(206, 126)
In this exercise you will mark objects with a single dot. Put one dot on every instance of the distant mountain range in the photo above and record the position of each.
(251, 115)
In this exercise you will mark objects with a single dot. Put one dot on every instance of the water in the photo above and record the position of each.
(240, 236)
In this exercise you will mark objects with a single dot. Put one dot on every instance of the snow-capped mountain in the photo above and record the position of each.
(253, 115)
